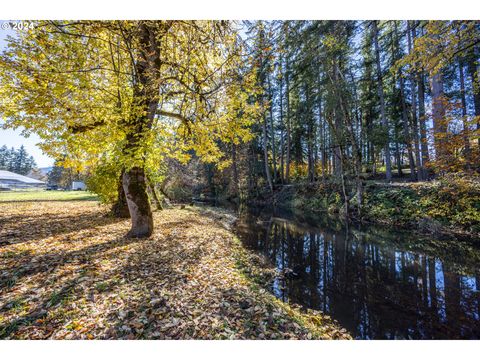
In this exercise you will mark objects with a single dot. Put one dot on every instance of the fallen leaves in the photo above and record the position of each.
(68, 272)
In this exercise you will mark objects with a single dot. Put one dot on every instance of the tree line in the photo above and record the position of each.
(16, 160)
(343, 101)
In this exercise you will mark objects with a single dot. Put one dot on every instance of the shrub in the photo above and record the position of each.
(454, 200)
(103, 181)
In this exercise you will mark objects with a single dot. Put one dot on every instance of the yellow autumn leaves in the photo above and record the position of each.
(71, 82)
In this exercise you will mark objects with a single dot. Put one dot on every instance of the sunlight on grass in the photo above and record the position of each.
(43, 195)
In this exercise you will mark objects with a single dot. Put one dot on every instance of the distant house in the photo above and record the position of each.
(13, 181)
(78, 185)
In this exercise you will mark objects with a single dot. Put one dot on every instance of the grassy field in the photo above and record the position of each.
(43, 195)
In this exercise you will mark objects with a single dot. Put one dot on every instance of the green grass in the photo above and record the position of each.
(43, 195)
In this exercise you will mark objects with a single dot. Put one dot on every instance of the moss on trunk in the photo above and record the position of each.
(135, 188)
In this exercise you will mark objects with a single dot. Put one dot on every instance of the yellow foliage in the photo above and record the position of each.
(72, 83)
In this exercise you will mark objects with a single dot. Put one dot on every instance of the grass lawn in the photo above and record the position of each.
(69, 272)
(43, 195)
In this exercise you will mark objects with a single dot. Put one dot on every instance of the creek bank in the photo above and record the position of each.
(445, 208)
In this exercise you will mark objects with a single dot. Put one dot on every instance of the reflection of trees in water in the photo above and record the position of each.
(374, 290)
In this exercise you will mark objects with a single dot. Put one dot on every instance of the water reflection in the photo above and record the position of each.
(365, 279)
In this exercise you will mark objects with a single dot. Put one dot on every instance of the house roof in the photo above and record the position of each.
(8, 175)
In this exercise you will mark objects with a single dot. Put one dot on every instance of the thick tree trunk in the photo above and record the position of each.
(145, 93)
(134, 185)
(120, 207)
(388, 163)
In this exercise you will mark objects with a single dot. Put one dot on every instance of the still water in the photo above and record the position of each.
(377, 284)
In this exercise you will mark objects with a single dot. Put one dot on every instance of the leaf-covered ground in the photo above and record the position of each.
(68, 272)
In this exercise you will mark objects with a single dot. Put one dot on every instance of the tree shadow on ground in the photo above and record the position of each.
(48, 263)
(16, 229)
(140, 272)
(178, 284)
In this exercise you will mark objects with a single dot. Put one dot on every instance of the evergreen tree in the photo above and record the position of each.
(17, 161)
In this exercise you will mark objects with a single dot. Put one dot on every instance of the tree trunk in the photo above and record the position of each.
(145, 94)
(406, 131)
(134, 185)
(311, 161)
(153, 191)
(282, 156)
(120, 207)
(310, 138)
(235, 171)
(337, 152)
(466, 132)
(474, 78)
(346, 199)
(356, 151)
(321, 125)
(287, 90)
(423, 125)
(272, 131)
(418, 155)
(265, 154)
(282, 145)
(406, 123)
(398, 157)
(438, 115)
(388, 163)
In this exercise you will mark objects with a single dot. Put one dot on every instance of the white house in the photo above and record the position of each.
(12, 181)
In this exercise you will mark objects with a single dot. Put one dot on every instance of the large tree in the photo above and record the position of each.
(439, 48)
(135, 91)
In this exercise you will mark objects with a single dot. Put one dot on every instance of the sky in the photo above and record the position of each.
(14, 137)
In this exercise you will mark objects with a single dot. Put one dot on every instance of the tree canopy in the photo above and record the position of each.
(129, 92)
